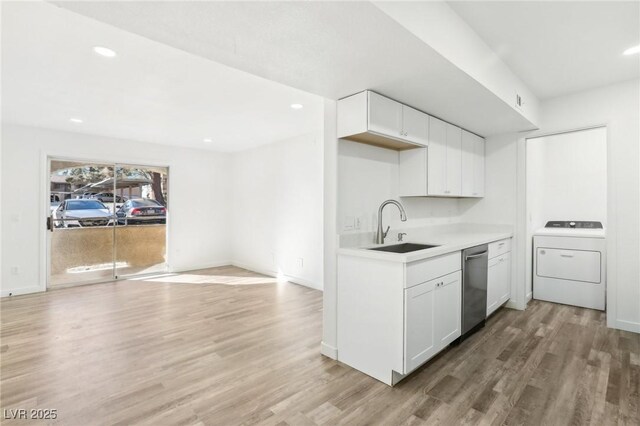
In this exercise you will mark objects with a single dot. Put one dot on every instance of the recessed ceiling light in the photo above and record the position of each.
(104, 51)
(207, 140)
(632, 50)
(76, 120)
(296, 106)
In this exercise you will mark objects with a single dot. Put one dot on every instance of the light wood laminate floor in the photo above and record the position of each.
(186, 350)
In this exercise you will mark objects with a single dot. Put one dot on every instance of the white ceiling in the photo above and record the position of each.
(149, 92)
(559, 47)
(332, 49)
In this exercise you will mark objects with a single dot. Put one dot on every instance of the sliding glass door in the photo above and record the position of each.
(140, 231)
(106, 221)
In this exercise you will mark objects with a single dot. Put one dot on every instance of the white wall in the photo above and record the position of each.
(198, 195)
(367, 176)
(329, 345)
(567, 177)
(277, 209)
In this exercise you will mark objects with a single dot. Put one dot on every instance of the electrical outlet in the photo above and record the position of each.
(349, 223)
(358, 223)
(300, 263)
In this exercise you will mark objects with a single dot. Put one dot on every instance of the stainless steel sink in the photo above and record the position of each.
(403, 248)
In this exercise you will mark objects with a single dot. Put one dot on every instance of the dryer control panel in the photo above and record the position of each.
(573, 224)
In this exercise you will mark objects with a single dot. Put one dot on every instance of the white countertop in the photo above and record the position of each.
(448, 240)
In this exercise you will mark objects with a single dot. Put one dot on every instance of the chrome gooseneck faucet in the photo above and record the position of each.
(382, 234)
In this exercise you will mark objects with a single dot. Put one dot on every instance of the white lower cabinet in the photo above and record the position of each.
(448, 304)
(432, 318)
(498, 281)
(395, 316)
(419, 325)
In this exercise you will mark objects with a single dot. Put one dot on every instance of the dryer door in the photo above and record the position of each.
(575, 265)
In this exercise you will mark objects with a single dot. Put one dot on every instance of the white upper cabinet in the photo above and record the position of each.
(454, 161)
(437, 157)
(385, 116)
(452, 165)
(478, 167)
(444, 159)
(468, 164)
(415, 125)
(472, 165)
(370, 118)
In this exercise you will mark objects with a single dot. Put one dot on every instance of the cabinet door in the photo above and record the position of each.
(498, 282)
(437, 157)
(504, 291)
(419, 337)
(448, 301)
(478, 168)
(493, 285)
(468, 152)
(415, 125)
(385, 116)
(454, 160)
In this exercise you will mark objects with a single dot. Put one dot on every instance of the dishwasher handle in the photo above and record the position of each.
(473, 256)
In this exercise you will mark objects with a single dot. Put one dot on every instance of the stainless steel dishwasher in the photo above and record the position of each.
(474, 288)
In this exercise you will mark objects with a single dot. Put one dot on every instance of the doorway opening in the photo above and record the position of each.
(106, 221)
(566, 207)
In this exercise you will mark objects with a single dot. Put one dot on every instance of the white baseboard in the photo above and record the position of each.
(302, 281)
(631, 326)
(270, 273)
(529, 296)
(198, 267)
(328, 351)
(21, 290)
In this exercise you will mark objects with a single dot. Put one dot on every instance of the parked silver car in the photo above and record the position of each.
(142, 211)
(81, 213)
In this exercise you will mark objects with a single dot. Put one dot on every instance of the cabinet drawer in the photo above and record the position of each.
(428, 269)
(499, 247)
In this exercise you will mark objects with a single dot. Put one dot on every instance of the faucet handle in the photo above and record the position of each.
(400, 235)
(384, 234)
